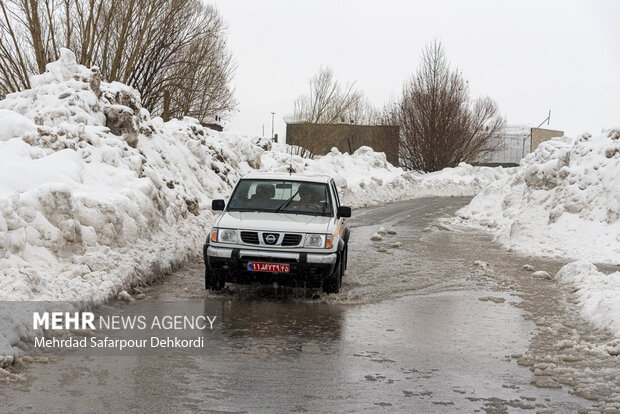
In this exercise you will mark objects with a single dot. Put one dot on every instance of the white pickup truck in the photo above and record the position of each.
(279, 229)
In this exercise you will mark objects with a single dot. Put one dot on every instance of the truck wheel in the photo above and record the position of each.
(331, 284)
(214, 281)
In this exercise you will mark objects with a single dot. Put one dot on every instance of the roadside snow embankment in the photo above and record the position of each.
(85, 212)
(96, 196)
(563, 200)
(596, 294)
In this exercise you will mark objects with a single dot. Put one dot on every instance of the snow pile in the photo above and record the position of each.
(596, 294)
(96, 196)
(366, 177)
(563, 200)
(83, 213)
(14, 125)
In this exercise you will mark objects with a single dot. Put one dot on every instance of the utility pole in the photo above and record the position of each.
(272, 114)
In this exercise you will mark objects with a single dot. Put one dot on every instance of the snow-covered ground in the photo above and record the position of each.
(563, 201)
(97, 196)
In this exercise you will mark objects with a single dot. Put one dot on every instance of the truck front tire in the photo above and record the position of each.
(332, 283)
(214, 281)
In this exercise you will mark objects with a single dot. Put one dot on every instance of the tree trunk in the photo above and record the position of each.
(34, 25)
(166, 113)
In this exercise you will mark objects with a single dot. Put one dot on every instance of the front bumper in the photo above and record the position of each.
(306, 269)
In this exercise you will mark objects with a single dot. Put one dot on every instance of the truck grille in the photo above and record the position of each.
(270, 239)
(291, 239)
(249, 237)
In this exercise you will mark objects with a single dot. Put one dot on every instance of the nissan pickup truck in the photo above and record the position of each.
(281, 229)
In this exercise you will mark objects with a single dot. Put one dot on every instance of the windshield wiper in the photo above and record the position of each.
(286, 203)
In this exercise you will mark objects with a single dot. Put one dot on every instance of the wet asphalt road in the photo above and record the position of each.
(431, 319)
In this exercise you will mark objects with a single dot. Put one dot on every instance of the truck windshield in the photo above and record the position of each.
(277, 196)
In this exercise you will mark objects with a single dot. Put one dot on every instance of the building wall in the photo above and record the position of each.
(541, 135)
(321, 138)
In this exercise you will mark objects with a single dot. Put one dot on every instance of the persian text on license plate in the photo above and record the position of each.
(269, 267)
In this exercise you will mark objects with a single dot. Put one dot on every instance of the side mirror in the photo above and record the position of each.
(344, 211)
(218, 205)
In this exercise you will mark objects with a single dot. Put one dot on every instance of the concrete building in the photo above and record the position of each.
(539, 135)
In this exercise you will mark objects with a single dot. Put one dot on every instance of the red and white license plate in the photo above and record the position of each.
(269, 267)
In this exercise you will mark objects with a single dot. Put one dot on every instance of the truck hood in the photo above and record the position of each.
(294, 223)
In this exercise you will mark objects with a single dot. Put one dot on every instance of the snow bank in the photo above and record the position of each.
(366, 178)
(596, 294)
(83, 213)
(563, 200)
(96, 196)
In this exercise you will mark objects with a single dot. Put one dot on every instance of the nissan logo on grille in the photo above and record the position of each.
(270, 238)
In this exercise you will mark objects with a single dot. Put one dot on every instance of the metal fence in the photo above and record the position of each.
(513, 145)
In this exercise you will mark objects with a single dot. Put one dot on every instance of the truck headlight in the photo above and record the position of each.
(226, 236)
(319, 241)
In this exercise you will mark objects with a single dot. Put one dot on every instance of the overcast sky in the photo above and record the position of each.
(530, 56)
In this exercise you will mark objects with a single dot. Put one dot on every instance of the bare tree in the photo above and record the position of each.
(15, 63)
(363, 113)
(440, 125)
(329, 102)
(174, 48)
(200, 82)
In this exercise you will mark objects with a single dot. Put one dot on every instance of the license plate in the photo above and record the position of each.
(269, 267)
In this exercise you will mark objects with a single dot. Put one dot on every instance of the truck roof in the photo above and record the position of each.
(288, 177)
